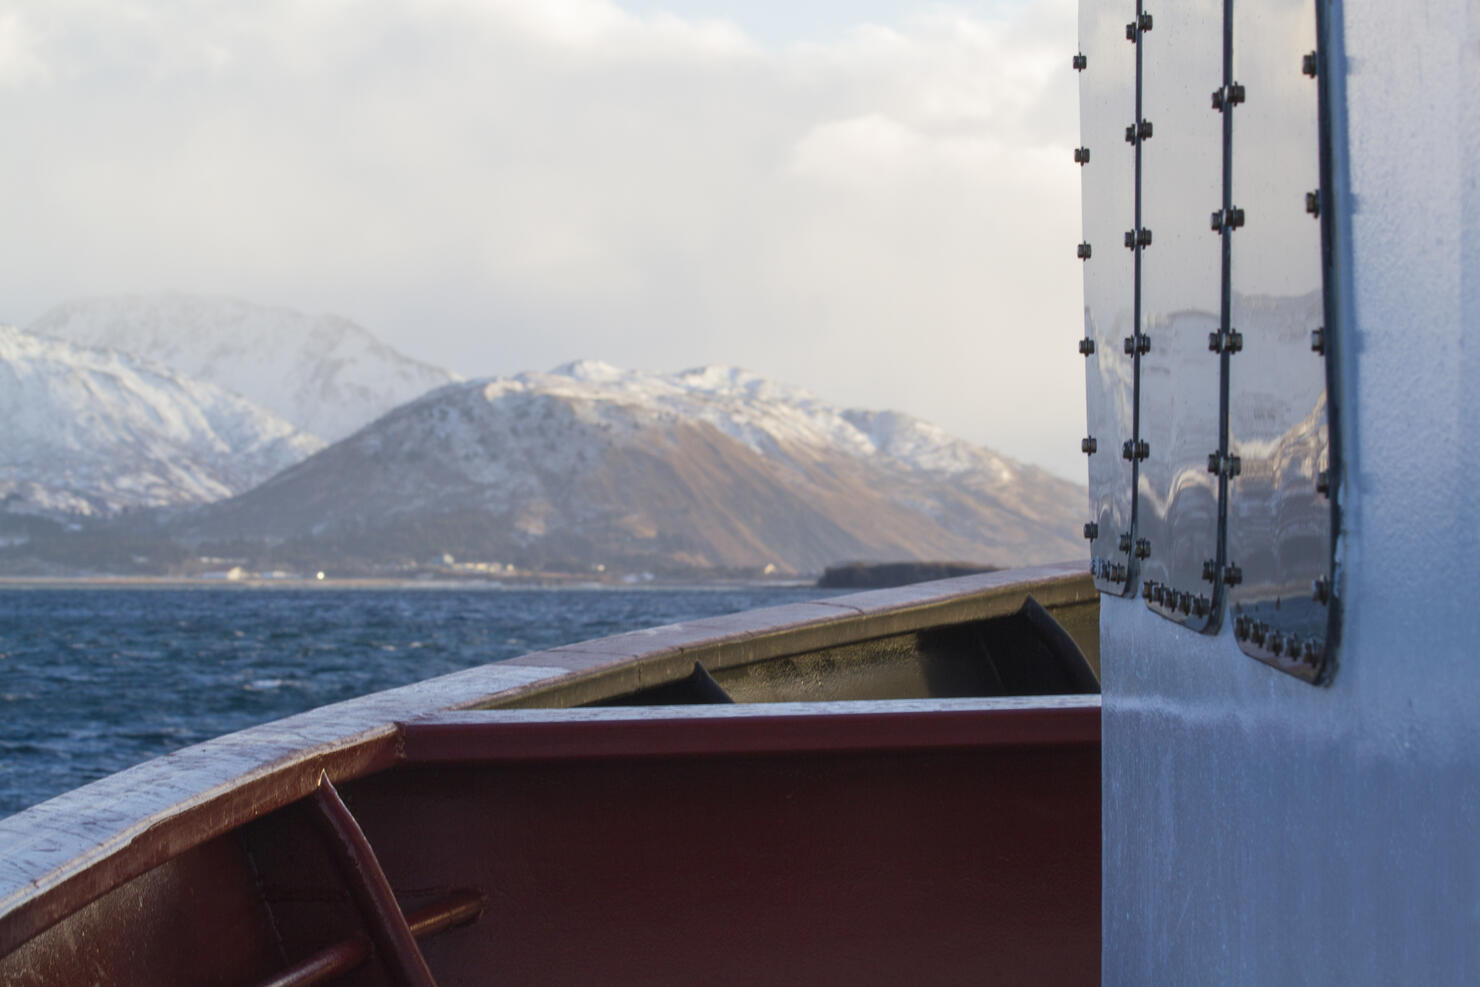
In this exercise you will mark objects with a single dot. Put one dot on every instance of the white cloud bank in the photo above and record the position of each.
(887, 219)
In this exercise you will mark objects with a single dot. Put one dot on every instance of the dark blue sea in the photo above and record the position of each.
(96, 680)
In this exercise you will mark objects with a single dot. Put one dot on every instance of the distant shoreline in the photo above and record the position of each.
(380, 583)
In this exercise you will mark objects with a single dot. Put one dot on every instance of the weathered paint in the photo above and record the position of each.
(935, 841)
(107, 851)
(866, 843)
(1261, 830)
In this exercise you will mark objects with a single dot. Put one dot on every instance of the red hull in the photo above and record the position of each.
(931, 841)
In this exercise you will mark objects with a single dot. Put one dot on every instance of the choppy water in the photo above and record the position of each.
(95, 680)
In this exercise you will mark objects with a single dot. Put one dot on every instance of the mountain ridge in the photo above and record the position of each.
(582, 468)
(92, 432)
(326, 375)
(707, 468)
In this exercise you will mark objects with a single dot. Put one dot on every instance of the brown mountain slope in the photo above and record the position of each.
(556, 472)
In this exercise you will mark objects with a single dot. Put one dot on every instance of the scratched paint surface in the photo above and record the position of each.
(92, 681)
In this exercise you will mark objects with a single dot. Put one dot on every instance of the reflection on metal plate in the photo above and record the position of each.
(1279, 524)
(1107, 103)
(1181, 291)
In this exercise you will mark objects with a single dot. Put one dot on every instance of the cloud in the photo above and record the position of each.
(887, 218)
(602, 27)
(876, 151)
(20, 62)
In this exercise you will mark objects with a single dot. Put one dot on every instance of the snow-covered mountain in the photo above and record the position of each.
(713, 467)
(324, 374)
(92, 432)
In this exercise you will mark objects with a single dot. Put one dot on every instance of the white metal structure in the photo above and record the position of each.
(1258, 828)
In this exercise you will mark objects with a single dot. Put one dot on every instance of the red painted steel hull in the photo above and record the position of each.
(925, 841)
(970, 862)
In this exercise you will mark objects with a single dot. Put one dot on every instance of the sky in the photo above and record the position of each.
(874, 200)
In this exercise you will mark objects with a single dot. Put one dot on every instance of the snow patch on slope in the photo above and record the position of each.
(771, 418)
(326, 375)
(95, 431)
(709, 467)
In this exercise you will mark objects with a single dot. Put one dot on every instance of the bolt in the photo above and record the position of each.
(1124, 544)
(1221, 465)
(1091, 531)
(1318, 340)
(1313, 202)
(1232, 575)
(1084, 251)
(1230, 219)
(1210, 570)
(1088, 445)
(1226, 341)
(1080, 62)
(1086, 346)
(1145, 22)
(1224, 98)
(1241, 628)
(1320, 590)
(1323, 483)
(1081, 155)
(1143, 548)
(1308, 64)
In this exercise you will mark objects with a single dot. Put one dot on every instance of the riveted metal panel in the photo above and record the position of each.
(1181, 284)
(1107, 92)
(1279, 526)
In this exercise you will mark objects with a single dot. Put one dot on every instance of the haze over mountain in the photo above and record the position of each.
(90, 432)
(324, 374)
(592, 465)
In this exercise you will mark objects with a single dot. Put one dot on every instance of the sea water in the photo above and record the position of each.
(95, 680)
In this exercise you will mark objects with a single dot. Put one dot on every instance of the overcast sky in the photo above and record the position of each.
(872, 199)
